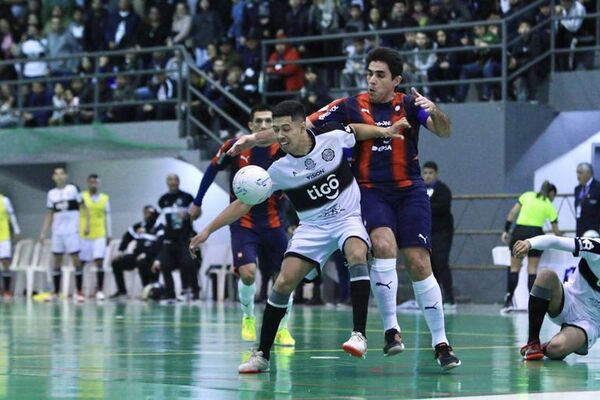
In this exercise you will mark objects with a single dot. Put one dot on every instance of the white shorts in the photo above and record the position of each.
(5, 250)
(65, 243)
(574, 314)
(92, 249)
(318, 243)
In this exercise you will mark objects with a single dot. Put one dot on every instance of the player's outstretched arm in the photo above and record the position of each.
(543, 242)
(261, 139)
(366, 132)
(230, 214)
(438, 121)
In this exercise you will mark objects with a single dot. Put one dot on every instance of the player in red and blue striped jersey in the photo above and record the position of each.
(394, 202)
(258, 235)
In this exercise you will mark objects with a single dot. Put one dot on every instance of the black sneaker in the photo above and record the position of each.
(118, 295)
(445, 357)
(393, 343)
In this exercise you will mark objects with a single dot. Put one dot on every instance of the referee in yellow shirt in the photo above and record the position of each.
(533, 210)
(93, 245)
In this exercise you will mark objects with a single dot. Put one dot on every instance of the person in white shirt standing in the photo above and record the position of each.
(64, 204)
(94, 243)
(8, 220)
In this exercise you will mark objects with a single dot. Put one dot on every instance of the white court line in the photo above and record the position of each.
(534, 396)
(325, 358)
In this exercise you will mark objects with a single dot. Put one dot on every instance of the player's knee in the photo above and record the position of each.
(248, 277)
(284, 284)
(384, 248)
(356, 255)
(545, 277)
(557, 350)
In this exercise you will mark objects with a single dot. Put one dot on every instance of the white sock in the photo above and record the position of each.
(288, 312)
(384, 285)
(246, 294)
(429, 297)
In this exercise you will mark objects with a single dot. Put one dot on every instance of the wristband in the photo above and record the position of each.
(507, 226)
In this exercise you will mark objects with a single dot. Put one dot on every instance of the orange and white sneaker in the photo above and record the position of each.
(356, 346)
(7, 296)
(79, 297)
(532, 351)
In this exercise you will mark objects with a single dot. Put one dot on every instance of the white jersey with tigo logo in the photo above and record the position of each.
(64, 204)
(320, 184)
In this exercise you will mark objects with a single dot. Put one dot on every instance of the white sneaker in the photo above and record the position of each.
(450, 306)
(356, 346)
(79, 298)
(99, 296)
(255, 364)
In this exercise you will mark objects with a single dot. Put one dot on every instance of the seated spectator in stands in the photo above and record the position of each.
(400, 18)
(419, 13)
(38, 97)
(455, 11)
(163, 88)
(544, 32)
(296, 19)
(72, 110)
(257, 19)
(32, 46)
(61, 42)
(131, 62)
(227, 53)
(120, 31)
(173, 65)
(152, 33)
(77, 27)
(95, 27)
(7, 43)
(8, 114)
(486, 64)
(234, 86)
(423, 60)
(436, 16)
(251, 62)
(289, 77)
(122, 92)
(83, 93)
(314, 94)
(375, 22)
(408, 47)
(568, 32)
(59, 103)
(353, 74)
(444, 69)
(525, 49)
(355, 23)
(207, 28)
(181, 27)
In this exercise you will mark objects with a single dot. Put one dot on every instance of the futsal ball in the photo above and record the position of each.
(591, 234)
(252, 185)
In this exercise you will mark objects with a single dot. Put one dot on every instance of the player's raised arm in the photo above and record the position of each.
(230, 214)
(366, 132)
(438, 121)
(546, 242)
(262, 138)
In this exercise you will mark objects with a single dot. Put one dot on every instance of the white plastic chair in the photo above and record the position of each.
(217, 260)
(21, 259)
(40, 262)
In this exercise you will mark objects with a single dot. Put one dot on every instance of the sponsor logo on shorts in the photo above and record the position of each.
(423, 238)
(379, 149)
(329, 189)
(331, 211)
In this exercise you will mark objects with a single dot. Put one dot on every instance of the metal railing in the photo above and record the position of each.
(504, 79)
(479, 221)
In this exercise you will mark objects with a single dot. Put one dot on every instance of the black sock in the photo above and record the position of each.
(6, 279)
(99, 280)
(530, 281)
(513, 280)
(537, 310)
(79, 279)
(359, 294)
(56, 278)
(271, 319)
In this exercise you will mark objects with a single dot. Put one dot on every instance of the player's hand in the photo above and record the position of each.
(423, 101)
(195, 212)
(197, 241)
(156, 266)
(42, 237)
(505, 237)
(16, 237)
(521, 248)
(245, 142)
(395, 131)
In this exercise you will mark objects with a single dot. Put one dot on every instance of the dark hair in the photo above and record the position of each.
(290, 108)
(150, 207)
(258, 108)
(93, 176)
(389, 56)
(547, 187)
(431, 165)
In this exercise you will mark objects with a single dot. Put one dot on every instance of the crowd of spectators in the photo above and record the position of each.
(224, 37)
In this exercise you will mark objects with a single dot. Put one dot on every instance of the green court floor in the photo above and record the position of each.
(143, 351)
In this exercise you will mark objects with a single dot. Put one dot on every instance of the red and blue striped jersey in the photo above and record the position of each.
(382, 162)
(266, 214)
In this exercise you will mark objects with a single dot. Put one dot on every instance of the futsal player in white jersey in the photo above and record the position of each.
(315, 175)
(574, 305)
(64, 204)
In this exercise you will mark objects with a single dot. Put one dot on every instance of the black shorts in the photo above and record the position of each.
(522, 232)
